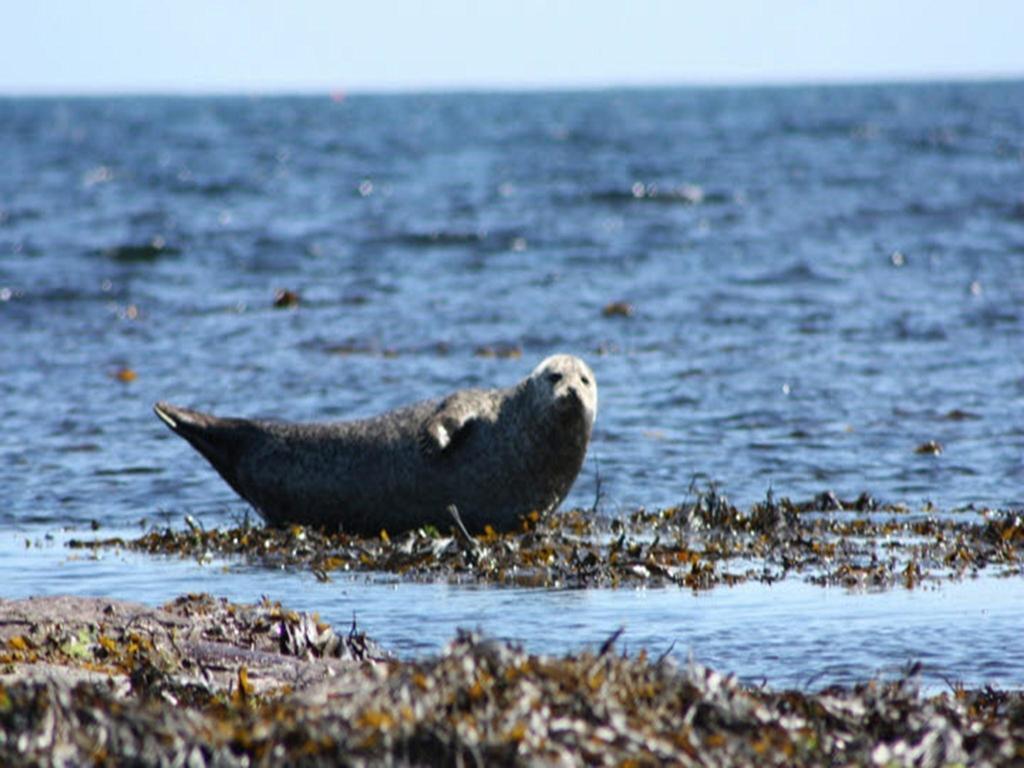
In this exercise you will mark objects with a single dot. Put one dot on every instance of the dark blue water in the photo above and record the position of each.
(822, 279)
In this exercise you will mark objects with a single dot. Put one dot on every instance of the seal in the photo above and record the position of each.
(496, 454)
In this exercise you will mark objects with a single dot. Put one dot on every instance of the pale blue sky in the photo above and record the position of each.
(104, 46)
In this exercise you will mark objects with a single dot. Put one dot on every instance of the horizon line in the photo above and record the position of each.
(517, 88)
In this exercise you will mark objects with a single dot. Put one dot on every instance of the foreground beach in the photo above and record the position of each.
(203, 681)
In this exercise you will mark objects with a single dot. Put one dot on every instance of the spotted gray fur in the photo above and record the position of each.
(496, 454)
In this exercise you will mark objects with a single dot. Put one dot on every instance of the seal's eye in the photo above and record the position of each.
(585, 380)
(554, 378)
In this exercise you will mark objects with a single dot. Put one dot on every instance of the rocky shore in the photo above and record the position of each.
(202, 681)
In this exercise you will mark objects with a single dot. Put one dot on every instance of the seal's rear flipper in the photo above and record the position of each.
(185, 422)
(168, 414)
(221, 441)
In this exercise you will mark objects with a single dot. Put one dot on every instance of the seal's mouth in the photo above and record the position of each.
(569, 397)
(570, 404)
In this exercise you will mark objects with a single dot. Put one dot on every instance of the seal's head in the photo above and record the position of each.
(566, 384)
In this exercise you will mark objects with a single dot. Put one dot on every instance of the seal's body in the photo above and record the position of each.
(495, 454)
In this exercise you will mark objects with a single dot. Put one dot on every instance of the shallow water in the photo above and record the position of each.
(789, 634)
(823, 279)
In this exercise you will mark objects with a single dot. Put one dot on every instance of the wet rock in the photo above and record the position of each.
(195, 640)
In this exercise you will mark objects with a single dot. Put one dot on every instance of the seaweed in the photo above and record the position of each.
(479, 701)
(698, 545)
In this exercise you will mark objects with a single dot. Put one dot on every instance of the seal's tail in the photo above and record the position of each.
(182, 420)
(221, 441)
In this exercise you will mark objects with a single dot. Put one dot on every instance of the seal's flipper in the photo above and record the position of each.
(450, 424)
(200, 429)
(220, 441)
(172, 415)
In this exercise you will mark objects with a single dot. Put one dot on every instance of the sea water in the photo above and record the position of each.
(818, 281)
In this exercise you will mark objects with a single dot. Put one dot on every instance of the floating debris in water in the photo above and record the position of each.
(690, 194)
(156, 248)
(930, 447)
(131, 312)
(958, 414)
(125, 375)
(285, 299)
(618, 309)
(500, 351)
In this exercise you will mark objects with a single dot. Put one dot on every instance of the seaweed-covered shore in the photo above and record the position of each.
(698, 545)
(205, 682)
